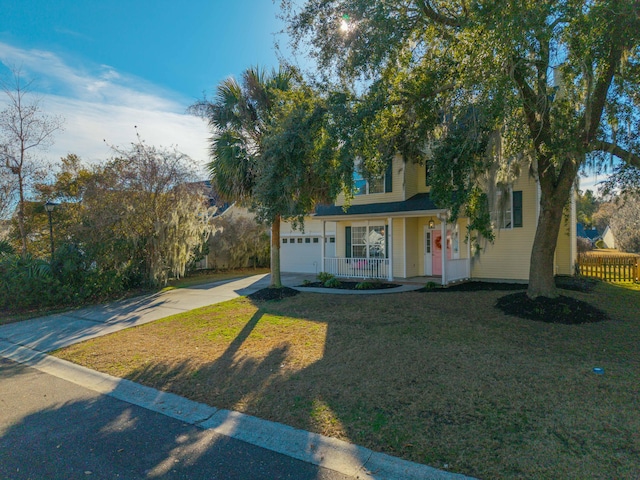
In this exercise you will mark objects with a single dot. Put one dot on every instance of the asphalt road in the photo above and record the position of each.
(53, 429)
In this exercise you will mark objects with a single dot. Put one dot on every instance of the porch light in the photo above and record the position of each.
(431, 223)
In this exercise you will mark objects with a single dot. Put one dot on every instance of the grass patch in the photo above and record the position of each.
(445, 380)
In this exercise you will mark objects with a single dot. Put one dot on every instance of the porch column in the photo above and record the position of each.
(443, 225)
(390, 237)
(322, 247)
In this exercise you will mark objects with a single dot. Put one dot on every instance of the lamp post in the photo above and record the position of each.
(49, 207)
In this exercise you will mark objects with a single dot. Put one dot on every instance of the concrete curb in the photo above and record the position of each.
(340, 456)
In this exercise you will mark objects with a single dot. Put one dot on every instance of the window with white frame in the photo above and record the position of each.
(507, 209)
(366, 241)
(455, 242)
(362, 186)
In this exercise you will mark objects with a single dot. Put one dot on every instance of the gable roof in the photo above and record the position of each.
(590, 233)
(418, 203)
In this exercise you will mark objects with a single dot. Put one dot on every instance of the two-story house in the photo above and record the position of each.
(392, 229)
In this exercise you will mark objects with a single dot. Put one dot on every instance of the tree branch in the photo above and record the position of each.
(608, 147)
(593, 110)
(427, 9)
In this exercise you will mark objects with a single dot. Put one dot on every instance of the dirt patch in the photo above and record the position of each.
(267, 294)
(352, 285)
(565, 310)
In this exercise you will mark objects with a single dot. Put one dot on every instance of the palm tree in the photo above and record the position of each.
(239, 116)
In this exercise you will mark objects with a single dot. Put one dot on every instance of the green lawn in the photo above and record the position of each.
(440, 378)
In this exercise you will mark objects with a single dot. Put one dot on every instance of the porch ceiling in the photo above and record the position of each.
(419, 204)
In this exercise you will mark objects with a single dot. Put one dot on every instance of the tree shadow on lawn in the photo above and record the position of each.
(451, 384)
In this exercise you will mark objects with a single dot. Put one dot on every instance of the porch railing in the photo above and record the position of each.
(458, 270)
(358, 267)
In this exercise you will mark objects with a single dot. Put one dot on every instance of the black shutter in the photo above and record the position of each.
(347, 238)
(388, 179)
(517, 209)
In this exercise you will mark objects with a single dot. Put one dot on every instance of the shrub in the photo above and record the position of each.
(332, 283)
(324, 277)
(365, 286)
(584, 244)
(431, 285)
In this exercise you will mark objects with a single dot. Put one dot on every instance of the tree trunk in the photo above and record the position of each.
(541, 274)
(21, 227)
(275, 253)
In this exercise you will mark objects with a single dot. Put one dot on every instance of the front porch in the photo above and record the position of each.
(396, 240)
(380, 269)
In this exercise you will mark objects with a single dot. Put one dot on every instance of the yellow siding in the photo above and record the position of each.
(340, 240)
(508, 258)
(311, 227)
(411, 179)
(395, 196)
(421, 186)
(398, 248)
(413, 258)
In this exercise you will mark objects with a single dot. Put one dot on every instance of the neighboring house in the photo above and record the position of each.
(608, 238)
(392, 229)
(590, 234)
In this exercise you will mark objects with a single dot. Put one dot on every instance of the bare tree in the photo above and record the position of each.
(625, 223)
(24, 130)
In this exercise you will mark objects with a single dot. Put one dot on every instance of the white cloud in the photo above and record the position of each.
(104, 104)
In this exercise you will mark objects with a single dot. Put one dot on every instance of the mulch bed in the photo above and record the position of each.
(351, 285)
(562, 309)
(273, 294)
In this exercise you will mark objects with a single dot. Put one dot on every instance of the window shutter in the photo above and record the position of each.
(347, 238)
(426, 174)
(517, 208)
(388, 178)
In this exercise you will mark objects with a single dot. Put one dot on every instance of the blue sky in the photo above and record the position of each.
(108, 65)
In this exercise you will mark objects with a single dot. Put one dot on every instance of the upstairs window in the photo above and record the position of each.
(379, 184)
(507, 210)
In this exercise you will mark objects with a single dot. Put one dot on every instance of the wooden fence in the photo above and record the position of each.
(610, 268)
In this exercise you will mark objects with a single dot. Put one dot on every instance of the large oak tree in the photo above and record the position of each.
(488, 89)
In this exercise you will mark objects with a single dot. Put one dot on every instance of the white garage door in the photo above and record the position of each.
(303, 254)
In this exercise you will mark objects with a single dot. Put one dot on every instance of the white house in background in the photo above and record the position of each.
(608, 239)
(393, 229)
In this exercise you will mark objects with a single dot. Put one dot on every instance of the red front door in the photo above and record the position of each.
(437, 251)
